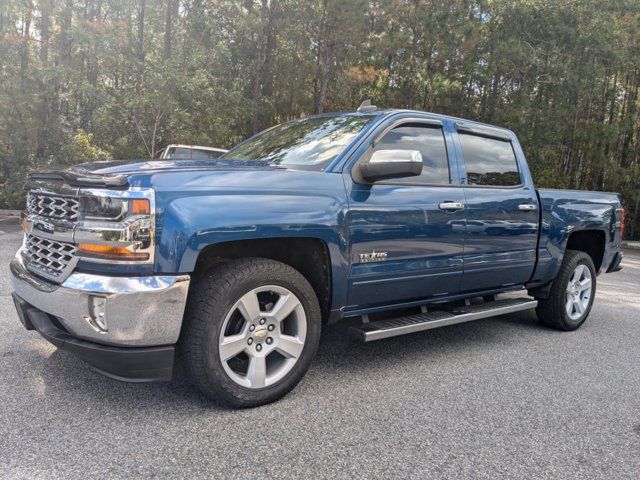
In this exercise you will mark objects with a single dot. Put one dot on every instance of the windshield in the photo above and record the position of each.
(311, 142)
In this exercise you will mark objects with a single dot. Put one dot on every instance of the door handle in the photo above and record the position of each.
(527, 207)
(451, 206)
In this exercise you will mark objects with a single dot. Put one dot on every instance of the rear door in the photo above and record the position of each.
(406, 238)
(501, 210)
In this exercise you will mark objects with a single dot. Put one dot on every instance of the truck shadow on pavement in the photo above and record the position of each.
(340, 363)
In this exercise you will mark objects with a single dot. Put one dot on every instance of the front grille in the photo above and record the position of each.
(50, 256)
(53, 206)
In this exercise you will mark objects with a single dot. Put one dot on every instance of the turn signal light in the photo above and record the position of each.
(139, 206)
(110, 252)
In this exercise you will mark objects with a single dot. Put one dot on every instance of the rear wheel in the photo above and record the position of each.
(572, 293)
(252, 329)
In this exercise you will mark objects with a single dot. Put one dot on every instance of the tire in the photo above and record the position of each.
(236, 305)
(565, 295)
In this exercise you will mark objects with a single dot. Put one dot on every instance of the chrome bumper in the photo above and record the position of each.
(121, 311)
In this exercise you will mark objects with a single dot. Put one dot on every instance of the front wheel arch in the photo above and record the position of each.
(308, 255)
(213, 298)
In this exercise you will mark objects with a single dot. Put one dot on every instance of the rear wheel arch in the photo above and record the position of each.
(589, 241)
(592, 242)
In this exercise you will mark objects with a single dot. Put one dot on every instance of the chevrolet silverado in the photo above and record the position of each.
(400, 220)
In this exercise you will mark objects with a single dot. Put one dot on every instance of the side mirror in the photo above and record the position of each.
(388, 164)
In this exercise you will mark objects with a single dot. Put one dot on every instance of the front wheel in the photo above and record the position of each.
(252, 329)
(572, 293)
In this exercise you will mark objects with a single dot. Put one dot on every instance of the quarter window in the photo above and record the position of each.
(429, 141)
(489, 161)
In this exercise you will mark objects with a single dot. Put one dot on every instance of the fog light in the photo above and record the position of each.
(97, 317)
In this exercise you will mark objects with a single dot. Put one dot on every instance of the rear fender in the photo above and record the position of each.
(562, 219)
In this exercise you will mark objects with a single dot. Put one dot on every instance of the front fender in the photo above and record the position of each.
(192, 220)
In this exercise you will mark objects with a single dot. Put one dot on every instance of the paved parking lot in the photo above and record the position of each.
(502, 398)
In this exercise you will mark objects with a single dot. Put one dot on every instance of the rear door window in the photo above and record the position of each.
(489, 161)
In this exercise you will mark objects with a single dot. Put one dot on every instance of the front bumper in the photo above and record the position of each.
(128, 364)
(119, 311)
(122, 326)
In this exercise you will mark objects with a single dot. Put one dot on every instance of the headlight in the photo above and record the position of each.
(116, 226)
(111, 208)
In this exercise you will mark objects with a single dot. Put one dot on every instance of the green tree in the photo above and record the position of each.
(82, 80)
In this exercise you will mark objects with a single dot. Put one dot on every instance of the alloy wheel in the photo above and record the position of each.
(578, 294)
(262, 336)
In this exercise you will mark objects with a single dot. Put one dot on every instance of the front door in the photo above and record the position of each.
(407, 235)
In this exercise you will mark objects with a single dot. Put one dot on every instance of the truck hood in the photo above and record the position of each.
(115, 173)
(124, 167)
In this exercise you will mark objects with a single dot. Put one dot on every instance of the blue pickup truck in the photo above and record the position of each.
(401, 221)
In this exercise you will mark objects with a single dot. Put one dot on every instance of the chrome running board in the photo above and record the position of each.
(392, 327)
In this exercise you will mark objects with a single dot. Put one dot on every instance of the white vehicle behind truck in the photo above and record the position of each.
(190, 152)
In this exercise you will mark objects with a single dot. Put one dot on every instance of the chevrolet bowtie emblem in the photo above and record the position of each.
(260, 332)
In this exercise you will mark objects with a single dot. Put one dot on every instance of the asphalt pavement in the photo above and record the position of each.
(496, 398)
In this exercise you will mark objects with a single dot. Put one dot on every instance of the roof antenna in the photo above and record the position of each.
(367, 106)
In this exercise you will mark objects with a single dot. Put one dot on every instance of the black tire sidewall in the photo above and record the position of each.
(262, 272)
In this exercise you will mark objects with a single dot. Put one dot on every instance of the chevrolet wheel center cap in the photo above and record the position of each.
(260, 332)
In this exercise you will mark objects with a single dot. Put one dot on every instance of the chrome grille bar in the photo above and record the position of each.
(50, 256)
(53, 206)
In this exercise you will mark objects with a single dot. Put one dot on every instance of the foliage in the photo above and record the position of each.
(89, 79)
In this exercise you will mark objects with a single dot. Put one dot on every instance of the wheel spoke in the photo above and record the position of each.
(569, 305)
(572, 278)
(232, 346)
(578, 304)
(579, 272)
(585, 284)
(257, 371)
(284, 306)
(249, 306)
(289, 346)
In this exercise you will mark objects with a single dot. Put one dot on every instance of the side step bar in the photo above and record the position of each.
(393, 327)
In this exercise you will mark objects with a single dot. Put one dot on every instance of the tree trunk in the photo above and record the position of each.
(44, 105)
(171, 11)
(413, 60)
(65, 54)
(45, 8)
(24, 46)
(322, 61)
(140, 45)
(271, 45)
(261, 47)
